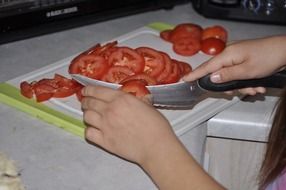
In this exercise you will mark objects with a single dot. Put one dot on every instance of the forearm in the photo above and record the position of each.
(172, 167)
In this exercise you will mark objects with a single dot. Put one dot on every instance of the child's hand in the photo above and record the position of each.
(245, 60)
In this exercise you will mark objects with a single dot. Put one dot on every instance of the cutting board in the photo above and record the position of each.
(66, 112)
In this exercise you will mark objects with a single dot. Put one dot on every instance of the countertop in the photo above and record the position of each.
(71, 163)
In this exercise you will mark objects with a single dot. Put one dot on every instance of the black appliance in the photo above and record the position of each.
(26, 18)
(263, 11)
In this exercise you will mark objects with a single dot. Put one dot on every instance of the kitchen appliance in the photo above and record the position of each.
(263, 11)
(26, 18)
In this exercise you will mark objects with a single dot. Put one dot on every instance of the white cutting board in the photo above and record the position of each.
(181, 120)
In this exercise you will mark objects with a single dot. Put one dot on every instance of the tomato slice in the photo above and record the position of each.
(187, 46)
(212, 46)
(184, 67)
(165, 35)
(167, 70)
(215, 32)
(135, 87)
(128, 57)
(154, 61)
(43, 90)
(92, 66)
(174, 75)
(142, 76)
(117, 73)
(186, 30)
(26, 89)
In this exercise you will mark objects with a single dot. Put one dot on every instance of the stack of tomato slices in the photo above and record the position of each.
(134, 69)
(121, 64)
(189, 38)
(57, 87)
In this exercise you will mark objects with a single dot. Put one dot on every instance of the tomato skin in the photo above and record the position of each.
(92, 66)
(136, 88)
(174, 75)
(187, 46)
(186, 30)
(167, 70)
(215, 32)
(125, 56)
(212, 46)
(184, 67)
(165, 35)
(142, 76)
(117, 73)
(26, 89)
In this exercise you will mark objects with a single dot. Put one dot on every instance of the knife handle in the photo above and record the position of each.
(277, 80)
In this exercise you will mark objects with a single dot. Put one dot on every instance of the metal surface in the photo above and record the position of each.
(179, 94)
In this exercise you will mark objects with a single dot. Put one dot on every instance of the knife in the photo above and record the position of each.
(186, 94)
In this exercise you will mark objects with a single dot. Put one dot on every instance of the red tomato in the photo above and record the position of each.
(215, 32)
(136, 88)
(165, 35)
(212, 46)
(128, 57)
(184, 67)
(78, 93)
(187, 46)
(167, 70)
(43, 90)
(154, 61)
(89, 65)
(142, 76)
(117, 73)
(174, 75)
(26, 89)
(186, 30)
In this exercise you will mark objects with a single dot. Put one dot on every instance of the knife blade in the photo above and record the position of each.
(186, 94)
(181, 94)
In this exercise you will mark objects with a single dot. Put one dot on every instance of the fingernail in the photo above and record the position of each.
(215, 78)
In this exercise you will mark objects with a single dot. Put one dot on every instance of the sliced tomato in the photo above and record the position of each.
(92, 66)
(142, 76)
(117, 73)
(78, 92)
(186, 30)
(184, 67)
(43, 90)
(174, 75)
(212, 46)
(167, 69)
(215, 32)
(154, 61)
(26, 89)
(125, 56)
(187, 46)
(165, 35)
(135, 87)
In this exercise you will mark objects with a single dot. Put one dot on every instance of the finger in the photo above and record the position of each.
(210, 66)
(231, 73)
(260, 90)
(247, 91)
(89, 103)
(101, 92)
(92, 118)
(94, 135)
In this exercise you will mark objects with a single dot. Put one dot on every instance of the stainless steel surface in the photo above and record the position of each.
(180, 94)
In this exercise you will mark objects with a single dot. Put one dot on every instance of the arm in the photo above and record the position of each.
(245, 60)
(121, 124)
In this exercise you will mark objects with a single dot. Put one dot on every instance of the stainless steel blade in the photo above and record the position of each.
(181, 94)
